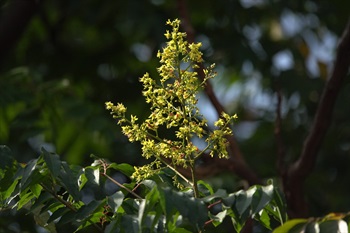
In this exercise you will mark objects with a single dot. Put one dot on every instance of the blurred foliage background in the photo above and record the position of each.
(73, 56)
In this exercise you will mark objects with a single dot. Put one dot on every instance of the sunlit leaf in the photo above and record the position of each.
(218, 218)
(261, 198)
(244, 199)
(25, 199)
(88, 209)
(334, 226)
(27, 172)
(292, 226)
(206, 186)
(264, 219)
(124, 168)
(115, 200)
(36, 189)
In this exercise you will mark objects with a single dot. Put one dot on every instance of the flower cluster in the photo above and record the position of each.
(173, 104)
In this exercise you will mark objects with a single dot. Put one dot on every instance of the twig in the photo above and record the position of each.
(214, 204)
(68, 205)
(120, 185)
(299, 170)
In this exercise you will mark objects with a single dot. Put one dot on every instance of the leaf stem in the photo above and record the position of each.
(176, 171)
(194, 181)
(120, 185)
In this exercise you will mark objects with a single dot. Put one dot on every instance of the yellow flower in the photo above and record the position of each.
(173, 105)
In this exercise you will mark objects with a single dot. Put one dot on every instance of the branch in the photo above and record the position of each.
(306, 162)
(68, 205)
(14, 20)
(278, 134)
(120, 185)
(236, 162)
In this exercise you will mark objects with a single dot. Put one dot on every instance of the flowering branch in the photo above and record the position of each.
(173, 103)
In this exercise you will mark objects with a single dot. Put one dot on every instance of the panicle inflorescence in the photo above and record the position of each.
(173, 104)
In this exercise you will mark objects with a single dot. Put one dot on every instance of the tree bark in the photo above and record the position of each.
(303, 166)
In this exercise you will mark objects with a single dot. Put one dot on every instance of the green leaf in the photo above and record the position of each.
(24, 199)
(82, 180)
(229, 200)
(44, 196)
(162, 200)
(115, 200)
(67, 217)
(261, 198)
(58, 213)
(291, 226)
(159, 220)
(27, 172)
(130, 206)
(313, 227)
(218, 218)
(153, 196)
(52, 161)
(244, 199)
(36, 189)
(274, 212)
(220, 193)
(51, 206)
(33, 181)
(204, 186)
(92, 219)
(237, 223)
(70, 181)
(87, 210)
(124, 168)
(112, 226)
(142, 213)
(92, 174)
(7, 193)
(150, 184)
(192, 209)
(41, 220)
(181, 230)
(156, 204)
(86, 223)
(130, 224)
(264, 219)
(333, 226)
(280, 202)
(8, 177)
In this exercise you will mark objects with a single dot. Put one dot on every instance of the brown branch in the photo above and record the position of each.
(299, 170)
(278, 135)
(236, 162)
